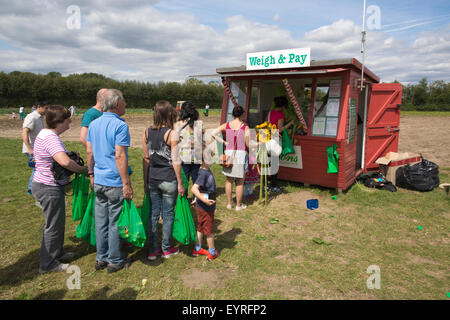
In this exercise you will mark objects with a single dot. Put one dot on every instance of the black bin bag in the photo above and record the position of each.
(422, 176)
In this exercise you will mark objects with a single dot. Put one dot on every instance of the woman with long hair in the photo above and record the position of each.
(236, 142)
(162, 177)
(190, 144)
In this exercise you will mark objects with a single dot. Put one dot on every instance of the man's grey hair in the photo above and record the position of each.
(111, 97)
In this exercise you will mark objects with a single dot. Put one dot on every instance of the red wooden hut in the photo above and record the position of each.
(364, 124)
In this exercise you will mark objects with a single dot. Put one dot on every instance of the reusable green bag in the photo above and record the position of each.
(130, 225)
(86, 229)
(183, 225)
(286, 144)
(145, 211)
(80, 187)
(185, 180)
(333, 159)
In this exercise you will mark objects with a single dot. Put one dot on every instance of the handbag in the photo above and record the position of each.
(60, 173)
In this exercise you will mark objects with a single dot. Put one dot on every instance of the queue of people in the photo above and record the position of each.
(170, 146)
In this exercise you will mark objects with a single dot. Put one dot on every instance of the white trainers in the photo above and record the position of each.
(58, 268)
(241, 207)
(229, 206)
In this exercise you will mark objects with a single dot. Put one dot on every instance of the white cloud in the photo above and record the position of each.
(136, 41)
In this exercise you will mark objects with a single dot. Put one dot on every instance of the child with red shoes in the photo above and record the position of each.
(204, 190)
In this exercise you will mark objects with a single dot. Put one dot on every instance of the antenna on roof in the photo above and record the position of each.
(363, 40)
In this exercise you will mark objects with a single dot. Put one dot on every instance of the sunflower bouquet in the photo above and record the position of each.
(265, 131)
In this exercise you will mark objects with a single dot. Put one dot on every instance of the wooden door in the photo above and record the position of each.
(383, 121)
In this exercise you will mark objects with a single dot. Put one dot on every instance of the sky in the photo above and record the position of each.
(169, 40)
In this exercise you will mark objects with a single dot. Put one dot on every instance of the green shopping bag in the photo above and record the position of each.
(145, 211)
(185, 180)
(130, 225)
(80, 187)
(183, 225)
(86, 229)
(286, 144)
(333, 159)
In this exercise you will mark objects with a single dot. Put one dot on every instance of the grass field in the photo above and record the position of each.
(264, 253)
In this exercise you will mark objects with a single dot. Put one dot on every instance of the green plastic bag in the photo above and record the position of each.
(86, 229)
(286, 144)
(145, 211)
(130, 225)
(80, 187)
(333, 159)
(183, 225)
(185, 180)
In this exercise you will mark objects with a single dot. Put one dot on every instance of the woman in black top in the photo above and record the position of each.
(162, 177)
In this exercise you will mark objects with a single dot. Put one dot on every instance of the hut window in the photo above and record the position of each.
(326, 107)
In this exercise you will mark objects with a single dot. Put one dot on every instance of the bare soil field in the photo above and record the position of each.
(428, 135)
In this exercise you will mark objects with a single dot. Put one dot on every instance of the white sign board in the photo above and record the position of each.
(293, 160)
(287, 58)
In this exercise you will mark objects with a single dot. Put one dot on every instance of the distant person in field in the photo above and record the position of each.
(72, 111)
(13, 115)
(90, 115)
(108, 140)
(48, 192)
(21, 110)
(33, 108)
(32, 125)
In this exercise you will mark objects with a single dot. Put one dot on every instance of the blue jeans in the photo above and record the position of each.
(108, 206)
(191, 170)
(32, 173)
(163, 196)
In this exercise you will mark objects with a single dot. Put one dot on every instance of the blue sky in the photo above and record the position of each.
(168, 40)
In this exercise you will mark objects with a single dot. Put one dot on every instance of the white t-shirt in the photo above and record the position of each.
(35, 122)
(21, 109)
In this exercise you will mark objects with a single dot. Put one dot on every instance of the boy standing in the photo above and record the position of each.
(204, 189)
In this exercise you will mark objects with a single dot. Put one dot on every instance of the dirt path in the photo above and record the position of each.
(427, 135)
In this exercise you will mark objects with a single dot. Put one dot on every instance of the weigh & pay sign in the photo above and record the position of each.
(288, 58)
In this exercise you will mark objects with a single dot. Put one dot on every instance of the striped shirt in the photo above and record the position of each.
(46, 145)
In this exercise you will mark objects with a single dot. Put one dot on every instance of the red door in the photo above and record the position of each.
(383, 121)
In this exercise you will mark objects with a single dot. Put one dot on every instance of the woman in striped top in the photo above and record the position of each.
(48, 147)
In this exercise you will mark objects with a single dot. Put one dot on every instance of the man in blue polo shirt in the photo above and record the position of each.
(108, 139)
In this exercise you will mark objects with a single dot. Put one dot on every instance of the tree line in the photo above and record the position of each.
(425, 96)
(24, 88)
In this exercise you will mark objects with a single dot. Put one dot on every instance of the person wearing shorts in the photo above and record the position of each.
(204, 189)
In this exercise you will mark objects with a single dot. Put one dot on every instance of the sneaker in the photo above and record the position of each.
(67, 256)
(202, 252)
(212, 257)
(229, 206)
(275, 189)
(241, 207)
(154, 255)
(58, 268)
(38, 204)
(100, 265)
(172, 251)
(116, 267)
